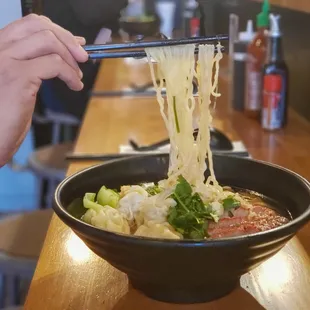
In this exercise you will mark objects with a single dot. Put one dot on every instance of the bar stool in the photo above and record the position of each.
(21, 240)
(49, 162)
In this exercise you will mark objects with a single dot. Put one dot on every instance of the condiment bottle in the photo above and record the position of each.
(238, 69)
(189, 9)
(275, 80)
(256, 54)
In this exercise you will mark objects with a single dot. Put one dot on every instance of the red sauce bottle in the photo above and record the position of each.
(256, 55)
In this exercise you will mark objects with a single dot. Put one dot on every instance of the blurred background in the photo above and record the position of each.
(28, 182)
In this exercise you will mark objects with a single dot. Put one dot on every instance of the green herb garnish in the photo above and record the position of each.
(230, 203)
(190, 216)
(153, 190)
(176, 114)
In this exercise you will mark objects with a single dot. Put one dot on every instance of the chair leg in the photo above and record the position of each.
(56, 133)
(67, 133)
(2, 291)
(39, 192)
(10, 290)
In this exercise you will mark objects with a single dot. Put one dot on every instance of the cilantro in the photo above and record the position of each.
(230, 203)
(190, 216)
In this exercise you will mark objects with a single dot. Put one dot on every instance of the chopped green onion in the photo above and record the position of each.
(176, 115)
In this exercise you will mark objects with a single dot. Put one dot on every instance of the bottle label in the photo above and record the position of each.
(272, 112)
(254, 87)
(195, 27)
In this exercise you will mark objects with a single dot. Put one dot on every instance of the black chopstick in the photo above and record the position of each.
(107, 55)
(105, 157)
(128, 54)
(145, 44)
(99, 157)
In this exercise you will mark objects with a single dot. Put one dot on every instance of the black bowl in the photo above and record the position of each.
(187, 271)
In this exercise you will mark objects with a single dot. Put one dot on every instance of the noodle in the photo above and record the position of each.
(176, 66)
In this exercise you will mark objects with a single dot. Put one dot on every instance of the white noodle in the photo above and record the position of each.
(176, 65)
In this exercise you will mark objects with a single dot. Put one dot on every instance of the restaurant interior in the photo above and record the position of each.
(44, 264)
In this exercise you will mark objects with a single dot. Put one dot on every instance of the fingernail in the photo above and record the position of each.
(77, 87)
(80, 74)
(81, 40)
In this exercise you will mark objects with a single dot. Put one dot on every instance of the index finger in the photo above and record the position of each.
(33, 23)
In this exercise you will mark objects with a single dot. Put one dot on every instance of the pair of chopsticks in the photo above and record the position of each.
(136, 49)
(73, 157)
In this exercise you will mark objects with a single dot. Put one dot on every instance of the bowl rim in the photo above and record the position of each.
(63, 213)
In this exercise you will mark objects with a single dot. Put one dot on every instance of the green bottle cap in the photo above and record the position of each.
(262, 19)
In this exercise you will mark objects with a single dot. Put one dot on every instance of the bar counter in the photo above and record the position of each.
(70, 277)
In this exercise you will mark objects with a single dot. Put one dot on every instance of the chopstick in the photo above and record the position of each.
(145, 44)
(101, 51)
(129, 54)
(105, 157)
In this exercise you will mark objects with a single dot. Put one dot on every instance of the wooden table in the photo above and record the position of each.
(69, 276)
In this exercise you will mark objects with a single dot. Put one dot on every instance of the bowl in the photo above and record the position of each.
(187, 271)
(137, 27)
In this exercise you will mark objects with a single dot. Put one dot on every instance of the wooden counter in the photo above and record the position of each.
(70, 277)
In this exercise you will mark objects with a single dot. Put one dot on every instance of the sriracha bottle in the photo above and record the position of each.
(256, 54)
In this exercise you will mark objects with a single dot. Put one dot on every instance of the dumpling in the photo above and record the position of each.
(126, 189)
(90, 213)
(156, 230)
(107, 218)
(129, 204)
(154, 209)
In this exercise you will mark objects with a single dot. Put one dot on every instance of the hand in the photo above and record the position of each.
(32, 49)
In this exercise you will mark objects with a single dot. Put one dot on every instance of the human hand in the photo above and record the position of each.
(32, 49)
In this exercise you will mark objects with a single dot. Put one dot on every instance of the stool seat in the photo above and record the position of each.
(21, 240)
(22, 235)
(50, 161)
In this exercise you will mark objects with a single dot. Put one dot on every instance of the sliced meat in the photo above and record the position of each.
(245, 222)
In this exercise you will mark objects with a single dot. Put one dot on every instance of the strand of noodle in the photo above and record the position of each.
(158, 89)
(187, 119)
(161, 102)
(216, 60)
(177, 66)
(215, 99)
(184, 112)
(206, 62)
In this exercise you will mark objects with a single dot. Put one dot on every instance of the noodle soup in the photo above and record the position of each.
(184, 212)
(184, 205)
